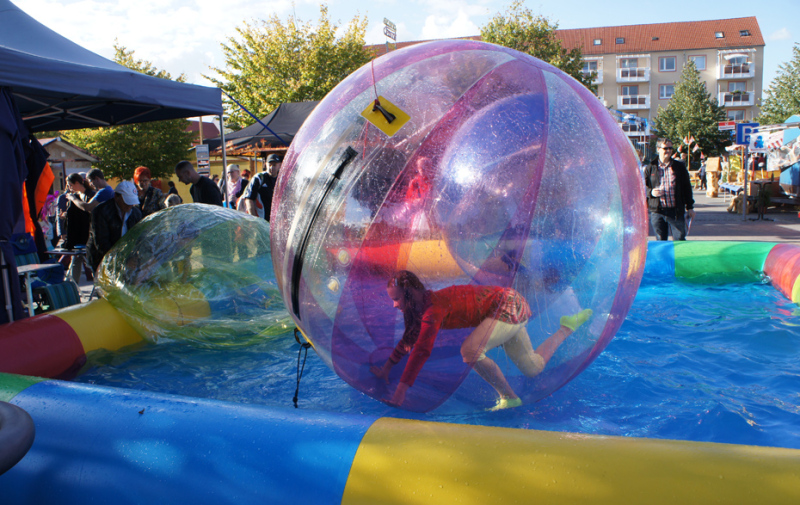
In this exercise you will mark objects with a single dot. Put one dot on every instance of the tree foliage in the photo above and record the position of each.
(271, 62)
(533, 34)
(783, 96)
(157, 145)
(693, 112)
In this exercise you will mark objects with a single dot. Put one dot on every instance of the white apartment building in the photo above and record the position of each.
(638, 66)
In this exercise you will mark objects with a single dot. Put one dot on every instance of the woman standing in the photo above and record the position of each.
(233, 185)
(150, 198)
(499, 316)
(78, 222)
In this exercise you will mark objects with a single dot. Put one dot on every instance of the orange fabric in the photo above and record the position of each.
(43, 185)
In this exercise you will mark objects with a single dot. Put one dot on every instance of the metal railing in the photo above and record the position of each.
(637, 74)
(633, 102)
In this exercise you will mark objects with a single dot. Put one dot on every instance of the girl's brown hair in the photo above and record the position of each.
(412, 312)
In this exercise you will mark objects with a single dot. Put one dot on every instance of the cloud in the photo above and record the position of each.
(443, 26)
(782, 34)
(178, 36)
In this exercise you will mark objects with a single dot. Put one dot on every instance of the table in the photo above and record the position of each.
(732, 189)
(31, 270)
(78, 251)
(66, 252)
(754, 196)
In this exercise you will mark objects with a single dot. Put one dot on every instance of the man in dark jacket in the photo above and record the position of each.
(669, 194)
(202, 189)
(113, 219)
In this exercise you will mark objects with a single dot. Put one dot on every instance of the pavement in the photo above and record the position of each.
(712, 222)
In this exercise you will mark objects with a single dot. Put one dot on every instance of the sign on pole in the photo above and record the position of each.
(744, 131)
(389, 29)
(201, 151)
(727, 125)
(758, 142)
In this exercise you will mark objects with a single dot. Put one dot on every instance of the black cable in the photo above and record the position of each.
(303, 346)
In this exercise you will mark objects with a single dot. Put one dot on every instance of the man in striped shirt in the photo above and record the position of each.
(669, 194)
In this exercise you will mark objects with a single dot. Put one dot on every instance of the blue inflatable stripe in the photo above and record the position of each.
(127, 446)
(660, 262)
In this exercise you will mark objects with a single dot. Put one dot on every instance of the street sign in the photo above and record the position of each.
(201, 151)
(758, 142)
(389, 29)
(727, 125)
(743, 132)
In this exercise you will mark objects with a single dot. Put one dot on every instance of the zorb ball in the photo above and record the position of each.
(196, 273)
(464, 163)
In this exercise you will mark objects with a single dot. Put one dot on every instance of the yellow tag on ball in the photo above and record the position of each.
(387, 116)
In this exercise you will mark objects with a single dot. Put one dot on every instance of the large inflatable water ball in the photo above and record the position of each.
(464, 163)
(195, 272)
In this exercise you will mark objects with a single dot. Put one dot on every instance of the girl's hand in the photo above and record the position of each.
(382, 372)
(379, 373)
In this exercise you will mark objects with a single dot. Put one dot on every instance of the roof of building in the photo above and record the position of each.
(654, 37)
(76, 151)
(210, 130)
(736, 33)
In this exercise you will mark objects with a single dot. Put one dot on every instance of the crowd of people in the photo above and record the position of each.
(92, 215)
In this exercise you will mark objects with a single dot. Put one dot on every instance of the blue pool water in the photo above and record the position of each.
(691, 362)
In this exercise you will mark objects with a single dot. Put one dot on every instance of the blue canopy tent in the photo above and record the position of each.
(276, 129)
(52, 83)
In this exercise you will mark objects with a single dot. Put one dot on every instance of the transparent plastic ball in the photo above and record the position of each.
(197, 273)
(507, 173)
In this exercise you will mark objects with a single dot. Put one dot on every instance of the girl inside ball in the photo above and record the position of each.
(499, 316)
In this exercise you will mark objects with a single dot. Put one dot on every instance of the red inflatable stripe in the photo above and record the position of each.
(783, 267)
(44, 346)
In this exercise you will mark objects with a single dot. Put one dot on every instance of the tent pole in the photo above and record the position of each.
(224, 159)
(7, 287)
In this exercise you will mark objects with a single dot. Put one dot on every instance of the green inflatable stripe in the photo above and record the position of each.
(11, 385)
(699, 258)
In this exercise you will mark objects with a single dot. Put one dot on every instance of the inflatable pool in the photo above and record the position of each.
(101, 444)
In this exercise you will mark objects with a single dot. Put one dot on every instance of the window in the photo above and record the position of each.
(630, 96)
(737, 86)
(699, 62)
(744, 33)
(629, 63)
(738, 60)
(620, 40)
(654, 39)
(719, 35)
(665, 91)
(589, 67)
(736, 115)
(630, 90)
(597, 42)
(666, 64)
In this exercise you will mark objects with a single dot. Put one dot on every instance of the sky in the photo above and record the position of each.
(185, 36)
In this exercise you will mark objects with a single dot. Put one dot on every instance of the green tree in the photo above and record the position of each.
(783, 96)
(271, 62)
(158, 145)
(693, 112)
(533, 34)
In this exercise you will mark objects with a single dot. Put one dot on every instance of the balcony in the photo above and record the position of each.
(638, 74)
(635, 130)
(627, 102)
(737, 71)
(737, 99)
(598, 79)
